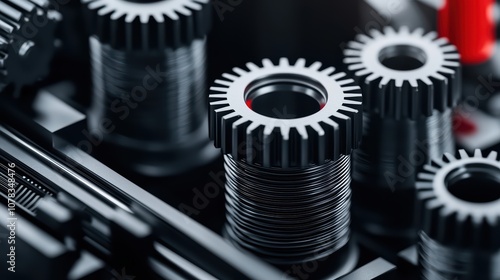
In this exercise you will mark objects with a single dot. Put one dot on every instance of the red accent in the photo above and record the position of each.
(462, 126)
(322, 105)
(470, 25)
(249, 103)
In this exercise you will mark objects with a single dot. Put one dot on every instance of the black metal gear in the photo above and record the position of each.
(334, 128)
(426, 76)
(26, 41)
(148, 25)
(466, 215)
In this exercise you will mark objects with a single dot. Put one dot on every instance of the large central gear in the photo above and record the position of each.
(405, 74)
(289, 139)
(448, 209)
(148, 25)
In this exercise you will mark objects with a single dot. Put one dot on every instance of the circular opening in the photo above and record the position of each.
(285, 96)
(475, 183)
(402, 57)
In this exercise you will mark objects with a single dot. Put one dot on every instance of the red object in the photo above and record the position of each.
(470, 25)
(249, 103)
(462, 126)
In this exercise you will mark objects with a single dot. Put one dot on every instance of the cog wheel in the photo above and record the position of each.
(405, 74)
(136, 25)
(26, 41)
(459, 200)
(285, 115)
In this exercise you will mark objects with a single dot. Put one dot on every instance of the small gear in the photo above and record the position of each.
(285, 115)
(459, 201)
(405, 74)
(132, 25)
(26, 40)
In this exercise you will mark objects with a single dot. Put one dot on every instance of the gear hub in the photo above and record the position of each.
(287, 132)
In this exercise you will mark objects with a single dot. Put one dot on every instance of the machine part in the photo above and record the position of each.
(470, 25)
(459, 206)
(26, 41)
(287, 132)
(149, 99)
(405, 74)
(410, 82)
(148, 25)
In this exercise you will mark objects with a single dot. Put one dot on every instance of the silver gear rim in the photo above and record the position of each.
(172, 18)
(440, 206)
(434, 85)
(337, 124)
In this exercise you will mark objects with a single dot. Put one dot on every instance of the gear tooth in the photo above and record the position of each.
(239, 136)
(449, 157)
(303, 140)
(218, 89)
(422, 187)
(352, 52)
(355, 45)
(301, 63)
(252, 66)
(448, 48)
(493, 155)
(363, 38)
(284, 62)
(267, 62)
(336, 76)
(389, 30)
(477, 153)
(223, 83)
(239, 71)
(319, 145)
(463, 154)
(452, 56)
(227, 129)
(419, 32)
(229, 77)
(267, 151)
(404, 30)
(252, 134)
(374, 33)
(329, 71)
(315, 66)
(431, 35)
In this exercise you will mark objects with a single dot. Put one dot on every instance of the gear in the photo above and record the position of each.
(285, 115)
(457, 196)
(132, 25)
(405, 74)
(26, 41)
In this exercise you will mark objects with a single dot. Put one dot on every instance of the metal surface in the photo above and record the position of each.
(287, 131)
(26, 41)
(149, 101)
(411, 82)
(459, 206)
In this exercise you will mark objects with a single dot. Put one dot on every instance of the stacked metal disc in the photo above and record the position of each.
(459, 206)
(287, 132)
(149, 75)
(26, 41)
(410, 83)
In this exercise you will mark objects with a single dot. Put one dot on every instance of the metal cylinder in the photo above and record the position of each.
(149, 85)
(288, 215)
(411, 82)
(459, 209)
(287, 132)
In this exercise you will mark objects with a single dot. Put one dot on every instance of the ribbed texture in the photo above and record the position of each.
(162, 109)
(389, 144)
(470, 26)
(438, 262)
(288, 216)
